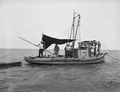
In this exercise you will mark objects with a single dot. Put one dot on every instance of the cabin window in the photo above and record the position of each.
(83, 48)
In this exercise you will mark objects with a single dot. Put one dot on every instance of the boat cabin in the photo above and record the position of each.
(87, 49)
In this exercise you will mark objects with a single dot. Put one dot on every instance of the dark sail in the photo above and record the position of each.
(50, 40)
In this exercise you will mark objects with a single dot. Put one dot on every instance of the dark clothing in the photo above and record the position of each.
(56, 49)
(41, 52)
(68, 53)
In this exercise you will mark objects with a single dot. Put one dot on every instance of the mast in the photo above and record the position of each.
(73, 24)
(79, 34)
(72, 29)
(73, 32)
(79, 29)
(77, 25)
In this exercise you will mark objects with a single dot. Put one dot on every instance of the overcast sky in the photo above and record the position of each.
(30, 18)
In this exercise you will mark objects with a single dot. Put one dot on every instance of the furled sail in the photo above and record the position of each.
(50, 40)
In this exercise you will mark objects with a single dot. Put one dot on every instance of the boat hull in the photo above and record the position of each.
(7, 64)
(63, 61)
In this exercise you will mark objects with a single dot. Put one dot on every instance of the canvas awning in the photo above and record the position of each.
(50, 40)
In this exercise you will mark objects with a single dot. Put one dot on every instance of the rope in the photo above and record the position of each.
(114, 58)
(64, 33)
(101, 43)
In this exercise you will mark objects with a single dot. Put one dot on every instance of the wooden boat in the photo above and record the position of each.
(63, 61)
(7, 64)
(87, 52)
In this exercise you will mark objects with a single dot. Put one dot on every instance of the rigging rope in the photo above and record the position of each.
(101, 43)
(64, 33)
(95, 37)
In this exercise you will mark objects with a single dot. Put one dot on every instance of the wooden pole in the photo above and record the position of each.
(34, 44)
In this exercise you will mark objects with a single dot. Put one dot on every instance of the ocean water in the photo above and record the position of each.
(103, 77)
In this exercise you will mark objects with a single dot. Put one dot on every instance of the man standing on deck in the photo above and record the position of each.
(41, 49)
(99, 47)
(68, 50)
(56, 50)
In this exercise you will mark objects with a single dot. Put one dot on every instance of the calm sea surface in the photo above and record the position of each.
(103, 77)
